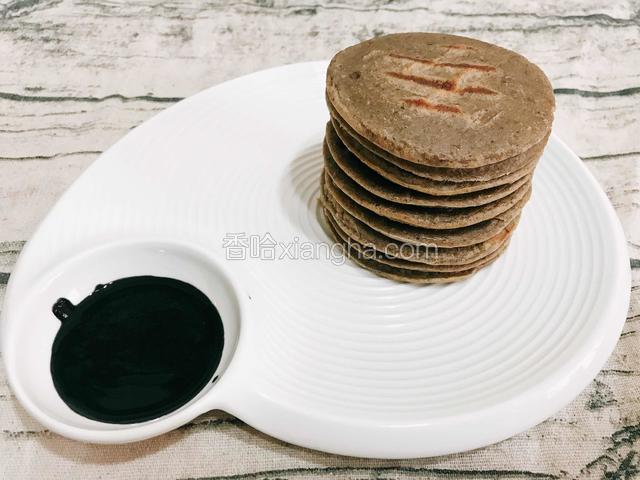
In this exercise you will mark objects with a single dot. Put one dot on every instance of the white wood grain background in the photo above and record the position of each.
(77, 75)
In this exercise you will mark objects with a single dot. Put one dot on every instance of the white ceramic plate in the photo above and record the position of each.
(318, 354)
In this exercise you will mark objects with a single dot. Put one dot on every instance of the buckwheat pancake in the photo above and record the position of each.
(425, 185)
(380, 186)
(459, 237)
(365, 235)
(409, 276)
(441, 100)
(403, 274)
(419, 216)
(364, 251)
(484, 173)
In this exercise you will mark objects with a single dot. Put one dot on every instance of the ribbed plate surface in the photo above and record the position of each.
(343, 360)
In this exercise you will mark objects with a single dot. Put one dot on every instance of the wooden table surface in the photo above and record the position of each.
(77, 75)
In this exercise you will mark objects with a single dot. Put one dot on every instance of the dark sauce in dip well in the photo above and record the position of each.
(135, 349)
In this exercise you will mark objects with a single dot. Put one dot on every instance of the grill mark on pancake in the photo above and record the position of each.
(436, 63)
(413, 59)
(441, 84)
(468, 66)
(447, 85)
(481, 90)
(439, 107)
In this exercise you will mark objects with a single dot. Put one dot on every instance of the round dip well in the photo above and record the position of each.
(135, 349)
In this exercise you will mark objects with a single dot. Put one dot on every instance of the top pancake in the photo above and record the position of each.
(441, 100)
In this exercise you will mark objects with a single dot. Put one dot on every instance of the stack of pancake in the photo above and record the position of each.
(430, 152)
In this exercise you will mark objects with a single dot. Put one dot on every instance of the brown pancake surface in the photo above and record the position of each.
(409, 180)
(419, 216)
(403, 274)
(441, 100)
(458, 237)
(380, 186)
(366, 235)
(368, 252)
(476, 174)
